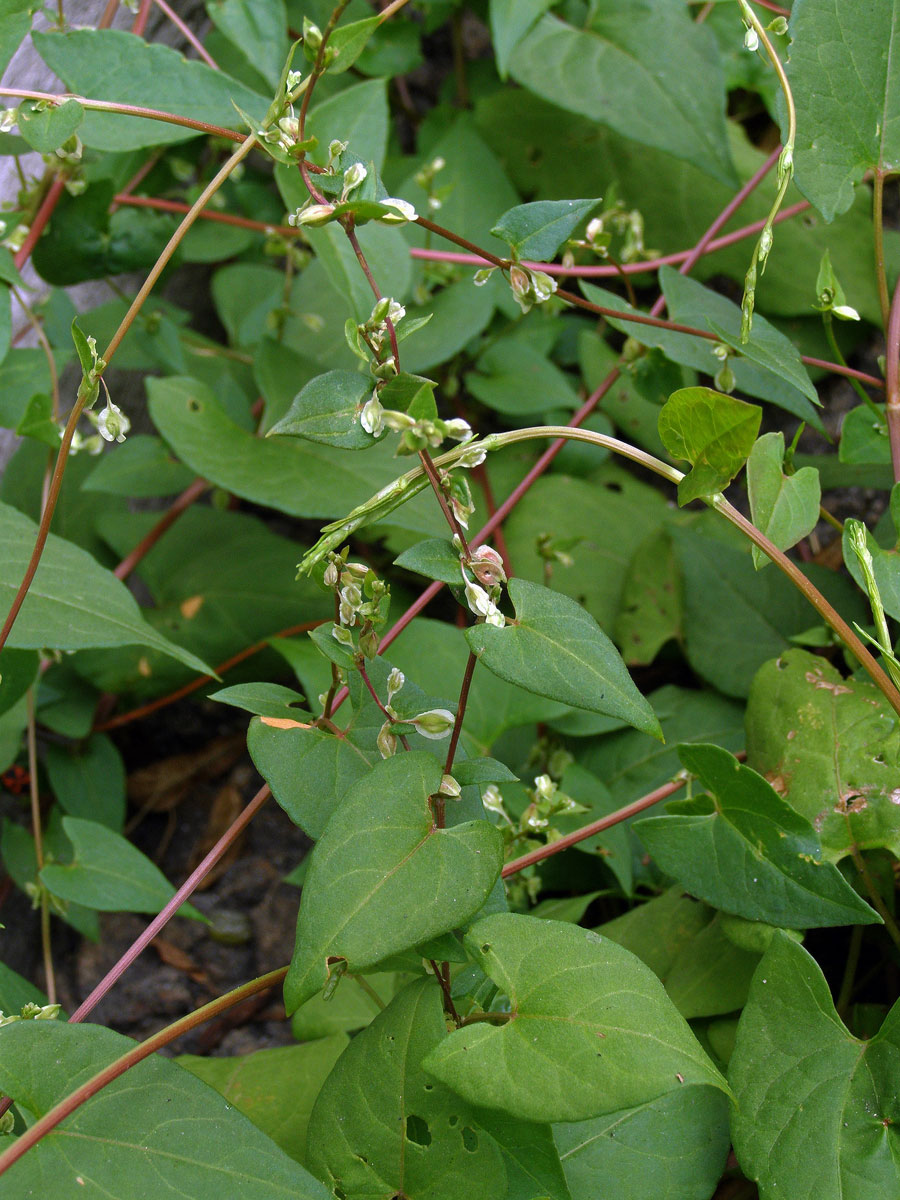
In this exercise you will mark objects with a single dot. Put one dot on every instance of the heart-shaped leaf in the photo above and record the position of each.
(554, 648)
(831, 747)
(745, 850)
(784, 507)
(381, 1127)
(576, 1043)
(714, 432)
(383, 878)
(817, 1111)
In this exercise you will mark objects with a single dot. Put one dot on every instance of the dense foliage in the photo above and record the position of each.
(508, 294)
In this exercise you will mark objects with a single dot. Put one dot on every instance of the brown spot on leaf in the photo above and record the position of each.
(190, 607)
(284, 723)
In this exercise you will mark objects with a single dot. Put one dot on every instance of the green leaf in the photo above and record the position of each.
(435, 558)
(482, 770)
(73, 603)
(263, 699)
(439, 878)
(327, 410)
(575, 1044)
(684, 943)
(609, 515)
(459, 313)
(816, 1111)
(257, 31)
(650, 73)
(784, 507)
(349, 41)
(387, 254)
(88, 780)
(15, 22)
(116, 1145)
(510, 21)
(357, 115)
(108, 873)
(743, 849)
(292, 476)
(83, 241)
(652, 605)
(308, 770)
(536, 231)
(142, 466)
(631, 764)
(143, 74)
(847, 97)
(275, 1089)
(530, 1156)
(673, 1147)
(516, 377)
(16, 992)
(554, 648)
(37, 421)
(864, 437)
(613, 845)
(44, 129)
(381, 1127)
(18, 671)
(737, 618)
(831, 747)
(350, 1009)
(714, 432)
(768, 366)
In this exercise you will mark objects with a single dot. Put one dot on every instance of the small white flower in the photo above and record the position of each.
(294, 79)
(449, 787)
(751, 39)
(395, 682)
(316, 214)
(386, 740)
(403, 211)
(372, 416)
(845, 312)
(458, 429)
(354, 176)
(112, 424)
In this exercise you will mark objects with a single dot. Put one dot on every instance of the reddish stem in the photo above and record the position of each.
(168, 519)
(609, 272)
(586, 831)
(184, 893)
(140, 21)
(200, 681)
(208, 214)
(188, 34)
(42, 216)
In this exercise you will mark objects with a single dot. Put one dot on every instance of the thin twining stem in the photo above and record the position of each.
(127, 110)
(69, 432)
(131, 1058)
(892, 381)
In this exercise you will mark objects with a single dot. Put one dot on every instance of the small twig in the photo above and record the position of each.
(37, 833)
(460, 713)
(846, 993)
(370, 991)
(181, 504)
(441, 977)
(42, 217)
(140, 21)
(389, 717)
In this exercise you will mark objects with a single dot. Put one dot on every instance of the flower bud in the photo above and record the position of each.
(487, 566)
(331, 576)
(7, 1122)
(434, 723)
(315, 214)
(449, 787)
(458, 429)
(481, 277)
(372, 416)
(341, 635)
(386, 741)
(354, 176)
(395, 683)
(751, 39)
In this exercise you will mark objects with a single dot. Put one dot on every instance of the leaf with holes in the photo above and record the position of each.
(411, 882)
(554, 648)
(817, 1113)
(831, 747)
(381, 1127)
(576, 1043)
(745, 850)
